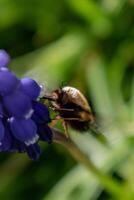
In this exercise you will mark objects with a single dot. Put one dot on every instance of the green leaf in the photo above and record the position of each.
(52, 65)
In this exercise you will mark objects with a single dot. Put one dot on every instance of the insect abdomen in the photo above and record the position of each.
(79, 126)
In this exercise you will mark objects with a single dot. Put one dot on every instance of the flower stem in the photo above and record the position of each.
(111, 185)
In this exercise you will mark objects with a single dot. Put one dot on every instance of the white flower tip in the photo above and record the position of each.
(4, 69)
(42, 91)
(29, 114)
(32, 141)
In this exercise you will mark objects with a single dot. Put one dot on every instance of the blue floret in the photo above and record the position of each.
(23, 120)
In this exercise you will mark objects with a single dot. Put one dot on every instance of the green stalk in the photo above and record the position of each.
(115, 188)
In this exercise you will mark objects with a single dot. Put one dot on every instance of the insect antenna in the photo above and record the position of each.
(49, 97)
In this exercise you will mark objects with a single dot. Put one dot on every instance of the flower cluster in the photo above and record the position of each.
(23, 119)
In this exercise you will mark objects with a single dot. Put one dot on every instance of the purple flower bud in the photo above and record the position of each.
(4, 58)
(2, 131)
(24, 130)
(18, 105)
(33, 151)
(8, 82)
(41, 113)
(23, 120)
(30, 88)
(6, 142)
(45, 133)
(1, 110)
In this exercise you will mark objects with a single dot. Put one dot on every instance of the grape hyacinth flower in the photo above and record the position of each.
(23, 119)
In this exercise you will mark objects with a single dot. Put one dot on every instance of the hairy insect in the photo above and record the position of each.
(72, 107)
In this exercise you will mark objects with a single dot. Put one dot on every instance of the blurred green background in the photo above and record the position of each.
(88, 44)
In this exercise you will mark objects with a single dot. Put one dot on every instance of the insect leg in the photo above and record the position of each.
(64, 125)
(65, 128)
(53, 122)
(56, 107)
(56, 119)
(72, 119)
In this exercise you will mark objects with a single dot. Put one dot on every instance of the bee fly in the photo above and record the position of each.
(73, 109)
